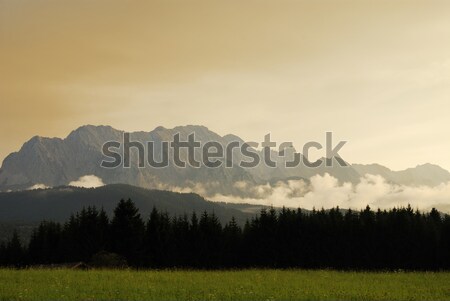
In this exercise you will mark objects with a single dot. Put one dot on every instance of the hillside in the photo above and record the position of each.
(58, 203)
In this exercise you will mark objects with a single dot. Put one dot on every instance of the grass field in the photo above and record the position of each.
(221, 285)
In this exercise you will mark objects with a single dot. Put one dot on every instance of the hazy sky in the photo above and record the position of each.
(376, 73)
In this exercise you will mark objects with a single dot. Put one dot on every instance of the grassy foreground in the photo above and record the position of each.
(221, 285)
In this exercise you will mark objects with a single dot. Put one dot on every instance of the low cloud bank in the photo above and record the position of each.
(88, 181)
(326, 191)
(38, 186)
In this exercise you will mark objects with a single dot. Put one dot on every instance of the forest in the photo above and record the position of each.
(395, 239)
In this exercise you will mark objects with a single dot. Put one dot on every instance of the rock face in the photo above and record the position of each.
(55, 162)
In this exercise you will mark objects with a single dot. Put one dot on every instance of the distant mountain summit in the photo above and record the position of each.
(421, 175)
(55, 162)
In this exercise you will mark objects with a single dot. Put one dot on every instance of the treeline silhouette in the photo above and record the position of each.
(400, 238)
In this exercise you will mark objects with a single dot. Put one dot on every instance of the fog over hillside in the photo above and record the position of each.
(327, 192)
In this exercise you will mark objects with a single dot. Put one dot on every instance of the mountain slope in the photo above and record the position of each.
(421, 175)
(58, 203)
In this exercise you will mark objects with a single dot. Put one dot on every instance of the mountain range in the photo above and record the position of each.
(53, 162)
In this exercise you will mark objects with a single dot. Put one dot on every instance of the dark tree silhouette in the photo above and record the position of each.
(14, 252)
(400, 238)
(127, 231)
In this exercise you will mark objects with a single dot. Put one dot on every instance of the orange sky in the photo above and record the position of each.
(376, 73)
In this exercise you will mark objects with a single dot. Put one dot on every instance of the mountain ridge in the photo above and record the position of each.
(426, 174)
(59, 161)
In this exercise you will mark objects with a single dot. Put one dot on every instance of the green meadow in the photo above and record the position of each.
(65, 284)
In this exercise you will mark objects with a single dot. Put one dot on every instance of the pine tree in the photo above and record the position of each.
(14, 251)
(127, 232)
(232, 236)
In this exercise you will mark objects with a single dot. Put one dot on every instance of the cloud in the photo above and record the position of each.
(203, 189)
(88, 181)
(326, 191)
(38, 186)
